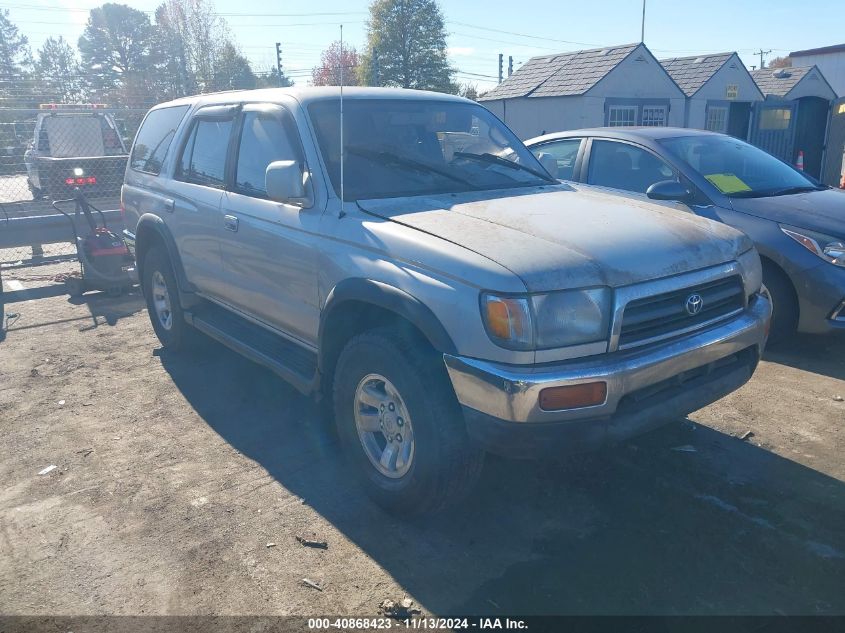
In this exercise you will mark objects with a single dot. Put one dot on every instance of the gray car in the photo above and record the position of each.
(429, 282)
(797, 225)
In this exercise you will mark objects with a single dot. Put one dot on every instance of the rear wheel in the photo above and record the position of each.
(784, 303)
(401, 425)
(162, 295)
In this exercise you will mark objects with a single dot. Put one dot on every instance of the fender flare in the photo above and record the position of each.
(149, 222)
(392, 299)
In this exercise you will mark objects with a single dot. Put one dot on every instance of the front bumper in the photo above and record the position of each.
(821, 299)
(645, 388)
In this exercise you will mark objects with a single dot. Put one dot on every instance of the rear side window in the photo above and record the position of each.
(203, 159)
(263, 141)
(154, 138)
(564, 152)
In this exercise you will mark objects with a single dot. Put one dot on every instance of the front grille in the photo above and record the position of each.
(665, 315)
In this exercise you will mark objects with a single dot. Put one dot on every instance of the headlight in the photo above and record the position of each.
(544, 321)
(752, 271)
(830, 249)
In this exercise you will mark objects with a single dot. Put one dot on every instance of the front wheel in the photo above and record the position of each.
(401, 425)
(784, 304)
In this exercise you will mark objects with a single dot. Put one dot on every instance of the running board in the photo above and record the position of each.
(292, 362)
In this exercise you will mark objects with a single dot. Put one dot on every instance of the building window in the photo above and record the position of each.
(775, 118)
(717, 119)
(654, 116)
(621, 115)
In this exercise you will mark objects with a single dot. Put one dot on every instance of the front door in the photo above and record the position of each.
(773, 129)
(268, 248)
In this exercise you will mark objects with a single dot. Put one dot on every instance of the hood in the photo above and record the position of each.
(822, 211)
(568, 237)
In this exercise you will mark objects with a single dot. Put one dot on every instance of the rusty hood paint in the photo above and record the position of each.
(569, 236)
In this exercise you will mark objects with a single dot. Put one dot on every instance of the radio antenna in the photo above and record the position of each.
(342, 148)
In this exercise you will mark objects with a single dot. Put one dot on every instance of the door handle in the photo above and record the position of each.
(169, 205)
(230, 223)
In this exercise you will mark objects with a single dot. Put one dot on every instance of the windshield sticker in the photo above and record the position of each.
(727, 183)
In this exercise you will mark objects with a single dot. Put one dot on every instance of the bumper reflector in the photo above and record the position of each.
(573, 396)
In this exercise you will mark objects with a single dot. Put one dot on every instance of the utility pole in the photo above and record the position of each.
(375, 68)
(642, 26)
(279, 61)
(510, 65)
(501, 62)
(761, 53)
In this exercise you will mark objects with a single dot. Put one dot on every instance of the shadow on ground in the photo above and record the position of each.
(817, 354)
(638, 529)
(103, 308)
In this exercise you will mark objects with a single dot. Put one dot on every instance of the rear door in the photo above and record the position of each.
(269, 248)
(195, 216)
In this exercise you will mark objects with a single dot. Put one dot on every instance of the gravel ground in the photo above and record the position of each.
(181, 482)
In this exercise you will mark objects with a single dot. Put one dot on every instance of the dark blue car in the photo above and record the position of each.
(797, 224)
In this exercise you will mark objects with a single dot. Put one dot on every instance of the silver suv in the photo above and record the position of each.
(435, 287)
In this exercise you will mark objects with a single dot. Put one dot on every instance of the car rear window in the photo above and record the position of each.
(154, 138)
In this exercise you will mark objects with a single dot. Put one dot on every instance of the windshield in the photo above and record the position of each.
(407, 147)
(737, 169)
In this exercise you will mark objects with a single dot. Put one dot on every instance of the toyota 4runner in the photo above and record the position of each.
(401, 256)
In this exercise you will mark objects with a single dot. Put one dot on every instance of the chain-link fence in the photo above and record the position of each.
(46, 154)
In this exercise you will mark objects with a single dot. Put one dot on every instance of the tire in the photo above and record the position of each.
(165, 311)
(784, 304)
(442, 465)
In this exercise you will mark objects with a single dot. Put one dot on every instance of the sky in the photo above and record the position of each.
(481, 29)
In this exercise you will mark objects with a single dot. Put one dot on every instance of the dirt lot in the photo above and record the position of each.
(174, 474)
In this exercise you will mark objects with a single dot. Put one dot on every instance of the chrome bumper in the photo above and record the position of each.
(511, 393)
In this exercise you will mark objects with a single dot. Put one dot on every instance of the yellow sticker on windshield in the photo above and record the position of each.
(727, 183)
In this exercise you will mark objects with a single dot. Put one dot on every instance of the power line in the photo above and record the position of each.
(534, 37)
(53, 8)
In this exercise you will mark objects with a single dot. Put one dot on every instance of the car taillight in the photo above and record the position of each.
(90, 180)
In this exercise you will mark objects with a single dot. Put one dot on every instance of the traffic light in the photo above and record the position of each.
(501, 62)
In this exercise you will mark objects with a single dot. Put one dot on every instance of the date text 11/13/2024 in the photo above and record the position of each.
(418, 623)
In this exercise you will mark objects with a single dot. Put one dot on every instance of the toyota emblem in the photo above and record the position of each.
(694, 304)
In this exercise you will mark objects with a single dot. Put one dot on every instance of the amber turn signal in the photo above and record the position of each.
(573, 396)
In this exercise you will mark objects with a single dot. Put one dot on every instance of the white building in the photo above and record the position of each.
(720, 92)
(618, 85)
(830, 60)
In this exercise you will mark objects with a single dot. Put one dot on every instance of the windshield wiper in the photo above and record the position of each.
(790, 190)
(386, 157)
(498, 160)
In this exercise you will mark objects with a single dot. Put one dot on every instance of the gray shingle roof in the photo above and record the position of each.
(690, 73)
(565, 74)
(779, 81)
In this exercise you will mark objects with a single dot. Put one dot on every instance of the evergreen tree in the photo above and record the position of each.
(15, 62)
(406, 46)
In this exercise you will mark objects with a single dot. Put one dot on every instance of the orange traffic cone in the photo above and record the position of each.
(799, 164)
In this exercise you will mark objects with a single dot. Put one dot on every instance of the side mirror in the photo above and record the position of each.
(669, 190)
(549, 163)
(284, 181)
